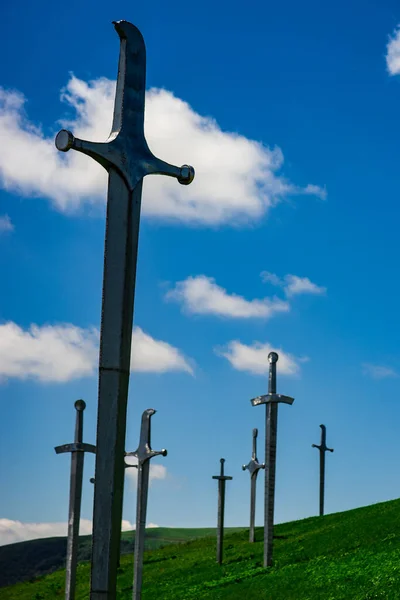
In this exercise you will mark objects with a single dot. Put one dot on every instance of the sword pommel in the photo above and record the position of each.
(64, 140)
(187, 175)
(80, 405)
(273, 357)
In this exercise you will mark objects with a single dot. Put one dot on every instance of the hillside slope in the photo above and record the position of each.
(23, 561)
(353, 555)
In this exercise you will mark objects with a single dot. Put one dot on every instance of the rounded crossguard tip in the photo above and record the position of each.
(164, 452)
(64, 140)
(273, 357)
(80, 405)
(187, 175)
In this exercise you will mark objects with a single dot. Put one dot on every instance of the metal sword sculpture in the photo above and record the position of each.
(271, 401)
(253, 467)
(222, 479)
(77, 449)
(127, 158)
(322, 449)
(143, 454)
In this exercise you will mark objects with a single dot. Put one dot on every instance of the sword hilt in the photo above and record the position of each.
(144, 451)
(273, 358)
(126, 148)
(77, 445)
(322, 447)
(272, 396)
(222, 476)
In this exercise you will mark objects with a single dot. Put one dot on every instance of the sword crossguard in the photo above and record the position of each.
(322, 447)
(144, 451)
(126, 148)
(270, 398)
(222, 476)
(75, 447)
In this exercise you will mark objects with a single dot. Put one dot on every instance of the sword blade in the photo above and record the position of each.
(321, 482)
(74, 515)
(141, 512)
(221, 518)
(270, 464)
(120, 258)
(252, 505)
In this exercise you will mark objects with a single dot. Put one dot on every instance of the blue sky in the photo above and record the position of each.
(287, 240)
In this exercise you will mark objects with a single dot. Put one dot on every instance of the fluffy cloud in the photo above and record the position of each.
(378, 371)
(59, 353)
(237, 179)
(16, 531)
(150, 355)
(156, 471)
(5, 224)
(393, 53)
(201, 295)
(254, 358)
(292, 284)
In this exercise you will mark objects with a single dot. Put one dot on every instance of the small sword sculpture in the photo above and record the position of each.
(322, 449)
(143, 454)
(253, 467)
(77, 449)
(271, 401)
(128, 159)
(222, 479)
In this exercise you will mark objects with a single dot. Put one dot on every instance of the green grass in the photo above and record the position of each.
(345, 556)
(27, 560)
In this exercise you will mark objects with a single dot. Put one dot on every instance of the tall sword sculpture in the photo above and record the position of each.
(271, 401)
(253, 467)
(322, 449)
(127, 158)
(222, 479)
(77, 449)
(143, 454)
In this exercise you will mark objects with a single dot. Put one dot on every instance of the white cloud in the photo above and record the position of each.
(378, 371)
(201, 295)
(5, 224)
(156, 471)
(237, 179)
(301, 285)
(17, 531)
(59, 353)
(293, 285)
(393, 53)
(154, 356)
(254, 358)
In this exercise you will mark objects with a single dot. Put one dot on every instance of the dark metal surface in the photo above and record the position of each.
(127, 158)
(222, 479)
(322, 449)
(253, 467)
(78, 448)
(271, 401)
(143, 453)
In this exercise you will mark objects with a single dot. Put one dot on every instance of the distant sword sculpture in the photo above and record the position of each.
(143, 454)
(222, 479)
(322, 449)
(271, 401)
(253, 467)
(128, 159)
(77, 449)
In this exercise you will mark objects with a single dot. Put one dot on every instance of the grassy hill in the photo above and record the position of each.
(353, 555)
(26, 560)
